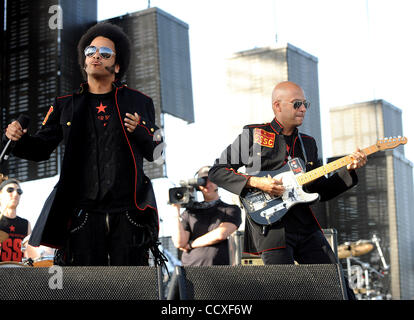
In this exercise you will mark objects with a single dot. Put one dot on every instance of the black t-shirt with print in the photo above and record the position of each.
(16, 228)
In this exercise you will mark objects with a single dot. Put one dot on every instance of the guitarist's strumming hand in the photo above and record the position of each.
(359, 160)
(267, 184)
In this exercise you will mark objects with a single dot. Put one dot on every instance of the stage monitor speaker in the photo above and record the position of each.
(267, 282)
(237, 256)
(78, 283)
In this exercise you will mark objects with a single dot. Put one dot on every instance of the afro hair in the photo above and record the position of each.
(117, 36)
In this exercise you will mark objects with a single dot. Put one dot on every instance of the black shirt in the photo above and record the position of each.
(108, 183)
(199, 222)
(10, 249)
(101, 107)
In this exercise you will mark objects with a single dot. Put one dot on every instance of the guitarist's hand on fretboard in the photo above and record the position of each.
(359, 160)
(267, 184)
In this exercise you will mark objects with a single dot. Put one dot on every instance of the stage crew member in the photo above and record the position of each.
(297, 236)
(202, 230)
(102, 210)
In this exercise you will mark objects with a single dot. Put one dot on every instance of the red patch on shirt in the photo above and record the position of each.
(264, 138)
(47, 115)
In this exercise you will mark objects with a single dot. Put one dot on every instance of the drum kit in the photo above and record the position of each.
(43, 259)
(363, 278)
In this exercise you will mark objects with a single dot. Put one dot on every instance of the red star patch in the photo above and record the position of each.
(101, 108)
(12, 228)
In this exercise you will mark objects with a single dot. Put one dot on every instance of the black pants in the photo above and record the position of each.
(304, 249)
(102, 239)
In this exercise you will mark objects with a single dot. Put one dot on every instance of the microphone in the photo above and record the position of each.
(24, 122)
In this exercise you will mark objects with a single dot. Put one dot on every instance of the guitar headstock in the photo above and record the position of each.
(391, 143)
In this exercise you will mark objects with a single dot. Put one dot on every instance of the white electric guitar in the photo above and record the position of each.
(265, 209)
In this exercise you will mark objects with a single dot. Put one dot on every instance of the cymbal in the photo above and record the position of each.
(344, 250)
(359, 249)
(344, 246)
(342, 254)
(354, 249)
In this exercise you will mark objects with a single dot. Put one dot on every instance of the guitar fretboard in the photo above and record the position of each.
(332, 166)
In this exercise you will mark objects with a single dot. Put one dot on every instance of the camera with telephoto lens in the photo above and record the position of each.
(186, 194)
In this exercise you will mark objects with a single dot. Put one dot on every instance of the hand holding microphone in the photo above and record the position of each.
(17, 128)
(14, 132)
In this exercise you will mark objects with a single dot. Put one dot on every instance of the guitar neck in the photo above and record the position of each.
(332, 166)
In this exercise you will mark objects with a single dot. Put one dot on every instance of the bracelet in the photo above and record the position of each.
(189, 245)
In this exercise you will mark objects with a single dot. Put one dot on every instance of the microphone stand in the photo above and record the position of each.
(3, 155)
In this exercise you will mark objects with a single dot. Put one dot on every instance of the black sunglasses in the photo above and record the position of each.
(105, 52)
(11, 189)
(298, 103)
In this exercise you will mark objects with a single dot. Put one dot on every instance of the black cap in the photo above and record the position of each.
(203, 172)
(8, 181)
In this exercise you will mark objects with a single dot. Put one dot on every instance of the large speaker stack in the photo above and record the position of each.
(78, 283)
(270, 282)
(276, 282)
(246, 279)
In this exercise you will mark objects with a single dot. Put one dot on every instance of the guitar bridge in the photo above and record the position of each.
(268, 213)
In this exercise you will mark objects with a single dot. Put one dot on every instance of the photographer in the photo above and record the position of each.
(203, 228)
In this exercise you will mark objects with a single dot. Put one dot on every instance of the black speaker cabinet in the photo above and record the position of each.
(78, 283)
(267, 282)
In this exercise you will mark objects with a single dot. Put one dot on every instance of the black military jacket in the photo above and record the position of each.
(262, 147)
(65, 121)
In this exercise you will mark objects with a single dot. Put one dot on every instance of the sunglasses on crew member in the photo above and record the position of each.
(105, 52)
(298, 103)
(11, 189)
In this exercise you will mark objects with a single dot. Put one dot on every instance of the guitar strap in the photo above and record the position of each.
(303, 149)
(265, 228)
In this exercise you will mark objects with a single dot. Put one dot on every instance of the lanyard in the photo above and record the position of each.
(303, 148)
(301, 145)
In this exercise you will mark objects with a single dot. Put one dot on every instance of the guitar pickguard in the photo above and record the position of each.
(265, 209)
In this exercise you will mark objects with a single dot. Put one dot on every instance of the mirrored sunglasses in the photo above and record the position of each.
(105, 52)
(298, 103)
(11, 189)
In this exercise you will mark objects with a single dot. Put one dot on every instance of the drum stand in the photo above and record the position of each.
(376, 240)
(360, 273)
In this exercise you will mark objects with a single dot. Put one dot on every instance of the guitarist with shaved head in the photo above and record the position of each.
(296, 235)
